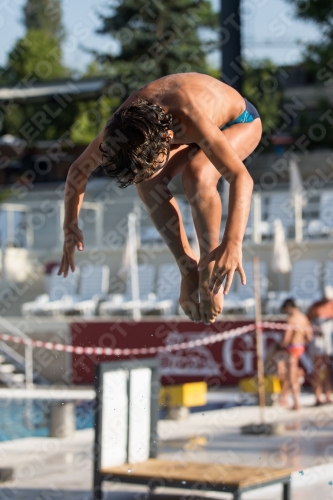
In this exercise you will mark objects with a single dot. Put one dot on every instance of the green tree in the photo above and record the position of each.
(318, 62)
(45, 15)
(156, 38)
(36, 56)
(318, 57)
(91, 117)
(261, 87)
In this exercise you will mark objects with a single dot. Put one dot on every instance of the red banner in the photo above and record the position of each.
(222, 363)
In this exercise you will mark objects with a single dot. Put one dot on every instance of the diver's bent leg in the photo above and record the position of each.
(294, 383)
(166, 217)
(200, 179)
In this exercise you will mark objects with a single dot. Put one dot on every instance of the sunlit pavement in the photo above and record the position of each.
(49, 468)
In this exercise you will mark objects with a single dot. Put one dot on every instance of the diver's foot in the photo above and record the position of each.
(189, 295)
(210, 305)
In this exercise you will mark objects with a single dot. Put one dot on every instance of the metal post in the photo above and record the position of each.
(30, 230)
(298, 207)
(29, 371)
(61, 221)
(287, 490)
(256, 218)
(132, 241)
(98, 491)
(260, 360)
(137, 211)
(3, 261)
(237, 494)
(232, 71)
(62, 421)
(99, 225)
(10, 227)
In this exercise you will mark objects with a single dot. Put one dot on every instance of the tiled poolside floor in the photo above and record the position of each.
(50, 469)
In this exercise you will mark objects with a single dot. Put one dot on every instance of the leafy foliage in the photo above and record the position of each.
(91, 117)
(157, 38)
(34, 122)
(36, 56)
(318, 131)
(45, 15)
(261, 87)
(318, 57)
(318, 62)
(319, 11)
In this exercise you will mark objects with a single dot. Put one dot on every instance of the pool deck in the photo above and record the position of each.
(51, 468)
(48, 393)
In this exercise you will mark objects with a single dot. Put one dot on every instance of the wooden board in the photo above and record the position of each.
(197, 472)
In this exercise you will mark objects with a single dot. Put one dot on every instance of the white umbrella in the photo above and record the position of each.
(296, 181)
(133, 259)
(126, 260)
(297, 198)
(281, 259)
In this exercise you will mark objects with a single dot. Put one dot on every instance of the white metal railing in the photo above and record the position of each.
(24, 362)
(104, 211)
(294, 207)
(298, 210)
(10, 209)
(99, 219)
(256, 214)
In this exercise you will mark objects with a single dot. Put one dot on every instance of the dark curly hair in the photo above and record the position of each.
(133, 141)
(288, 303)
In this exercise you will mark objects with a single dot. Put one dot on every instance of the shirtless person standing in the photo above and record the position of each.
(296, 337)
(193, 124)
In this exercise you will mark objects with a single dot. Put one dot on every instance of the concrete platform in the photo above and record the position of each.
(50, 468)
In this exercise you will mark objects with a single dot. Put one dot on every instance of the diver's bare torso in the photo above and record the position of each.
(190, 96)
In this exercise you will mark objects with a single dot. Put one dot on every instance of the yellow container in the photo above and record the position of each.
(191, 394)
(272, 385)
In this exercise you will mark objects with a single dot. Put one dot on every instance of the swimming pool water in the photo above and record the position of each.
(27, 418)
(31, 418)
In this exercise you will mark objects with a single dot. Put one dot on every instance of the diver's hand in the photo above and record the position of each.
(228, 259)
(73, 238)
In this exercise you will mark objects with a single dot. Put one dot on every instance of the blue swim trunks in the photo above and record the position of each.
(247, 116)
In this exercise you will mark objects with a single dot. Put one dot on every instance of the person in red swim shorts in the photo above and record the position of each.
(296, 337)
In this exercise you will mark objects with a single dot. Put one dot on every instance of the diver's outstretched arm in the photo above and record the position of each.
(75, 187)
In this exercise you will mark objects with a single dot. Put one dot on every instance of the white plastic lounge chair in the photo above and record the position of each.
(167, 290)
(60, 289)
(326, 211)
(123, 304)
(305, 282)
(280, 207)
(243, 299)
(94, 285)
(149, 235)
(304, 287)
